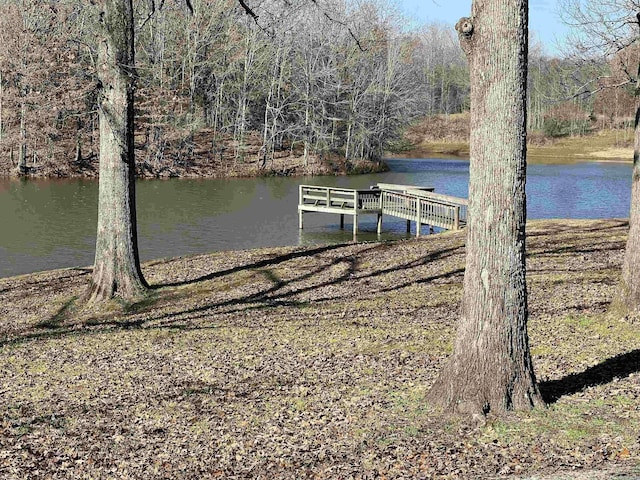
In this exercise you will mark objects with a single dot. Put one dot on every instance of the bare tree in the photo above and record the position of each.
(610, 29)
(491, 367)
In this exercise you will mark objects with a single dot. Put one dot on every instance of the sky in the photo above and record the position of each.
(543, 17)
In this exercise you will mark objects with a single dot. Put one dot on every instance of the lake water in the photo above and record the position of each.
(47, 224)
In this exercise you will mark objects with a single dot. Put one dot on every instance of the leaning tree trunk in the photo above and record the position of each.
(117, 266)
(490, 368)
(628, 300)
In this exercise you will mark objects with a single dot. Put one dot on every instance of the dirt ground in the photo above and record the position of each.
(290, 363)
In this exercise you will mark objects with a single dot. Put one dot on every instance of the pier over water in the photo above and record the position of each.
(417, 204)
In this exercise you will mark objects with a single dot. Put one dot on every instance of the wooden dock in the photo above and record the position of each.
(420, 205)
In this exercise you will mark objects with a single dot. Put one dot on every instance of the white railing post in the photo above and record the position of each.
(380, 206)
(300, 211)
(418, 216)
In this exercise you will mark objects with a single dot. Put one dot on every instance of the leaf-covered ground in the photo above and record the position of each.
(313, 363)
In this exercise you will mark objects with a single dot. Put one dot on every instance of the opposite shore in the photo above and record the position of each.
(448, 136)
(566, 150)
(438, 136)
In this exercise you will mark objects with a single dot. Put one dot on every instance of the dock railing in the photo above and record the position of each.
(343, 201)
(337, 200)
(456, 208)
(426, 208)
(418, 204)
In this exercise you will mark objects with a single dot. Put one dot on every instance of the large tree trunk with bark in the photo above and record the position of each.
(628, 300)
(490, 368)
(117, 266)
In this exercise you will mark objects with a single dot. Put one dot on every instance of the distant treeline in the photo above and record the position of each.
(314, 79)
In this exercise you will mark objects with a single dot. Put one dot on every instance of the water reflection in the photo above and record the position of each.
(51, 223)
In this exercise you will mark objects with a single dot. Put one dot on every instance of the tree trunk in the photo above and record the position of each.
(306, 122)
(267, 138)
(1, 97)
(628, 300)
(117, 265)
(491, 368)
(22, 152)
(347, 144)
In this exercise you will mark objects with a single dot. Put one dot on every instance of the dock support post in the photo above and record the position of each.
(300, 214)
(355, 226)
(341, 221)
(418, 217)
(408, 226)
(379, 223)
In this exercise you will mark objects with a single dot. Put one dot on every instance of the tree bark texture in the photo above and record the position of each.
(629, 293)
(491, 368)
(117, 265)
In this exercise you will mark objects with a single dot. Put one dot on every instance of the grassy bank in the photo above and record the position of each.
(614, 145)
(448, 136)
(313, 363)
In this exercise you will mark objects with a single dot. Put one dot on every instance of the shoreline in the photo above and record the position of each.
(531, 224)
(599, 147)
(454, 153)
(535, 154)
(203, 166)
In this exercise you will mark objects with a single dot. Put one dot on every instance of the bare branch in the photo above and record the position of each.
(152, 10)
(344, 24)
(589, 93)
(249, 11)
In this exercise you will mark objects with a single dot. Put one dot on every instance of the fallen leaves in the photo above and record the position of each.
(311, 363)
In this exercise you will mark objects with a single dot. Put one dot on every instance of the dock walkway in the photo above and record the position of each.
(420, 205)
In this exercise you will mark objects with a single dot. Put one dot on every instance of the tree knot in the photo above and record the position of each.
(464, 27)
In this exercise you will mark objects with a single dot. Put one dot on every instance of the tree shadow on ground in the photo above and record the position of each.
(77, 272)
(577, 249)
(279, 292)
(97, 328)
(620, 366)
(267, 262)
(537, 244)
(608, 224)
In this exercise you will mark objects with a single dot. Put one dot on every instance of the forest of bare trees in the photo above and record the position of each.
(319, 81)
(219, 84)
